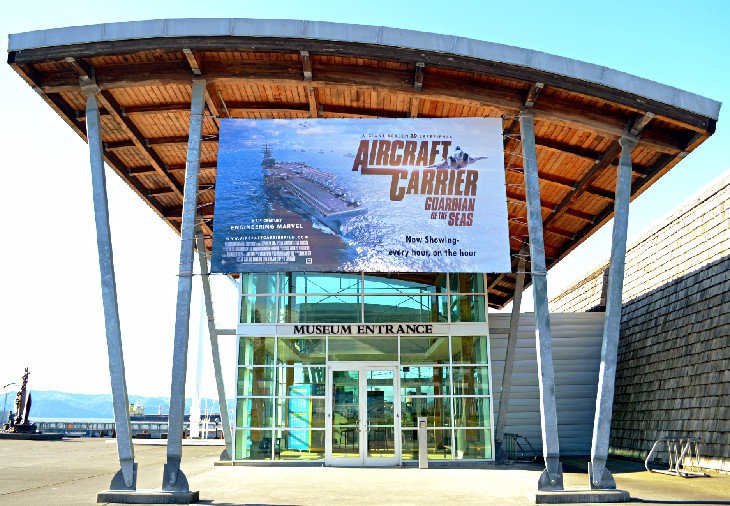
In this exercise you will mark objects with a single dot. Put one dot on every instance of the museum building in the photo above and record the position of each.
(336, 367)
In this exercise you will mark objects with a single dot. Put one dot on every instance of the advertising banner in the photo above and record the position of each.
(351, 195)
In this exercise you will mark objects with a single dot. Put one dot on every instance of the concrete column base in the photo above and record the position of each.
(147, 497)
(578, 496)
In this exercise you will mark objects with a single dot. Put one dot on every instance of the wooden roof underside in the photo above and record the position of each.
(145, 101)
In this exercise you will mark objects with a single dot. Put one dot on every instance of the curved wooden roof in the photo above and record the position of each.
(299, 69)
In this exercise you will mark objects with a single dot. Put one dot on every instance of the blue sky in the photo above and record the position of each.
(51, 312)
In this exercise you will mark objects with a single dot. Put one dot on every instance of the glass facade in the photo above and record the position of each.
(281, 408)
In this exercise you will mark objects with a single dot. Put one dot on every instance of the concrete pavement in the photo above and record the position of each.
(72, 472)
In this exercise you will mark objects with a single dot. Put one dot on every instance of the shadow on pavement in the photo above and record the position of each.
(615, 465)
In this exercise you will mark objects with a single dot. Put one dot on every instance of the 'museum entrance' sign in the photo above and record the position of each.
(385, 195)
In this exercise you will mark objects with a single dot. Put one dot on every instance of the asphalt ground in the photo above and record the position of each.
(72, 472)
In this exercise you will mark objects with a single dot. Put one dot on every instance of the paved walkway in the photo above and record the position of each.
(71, 472)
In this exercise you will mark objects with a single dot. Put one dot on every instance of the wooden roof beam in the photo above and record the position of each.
(567, 183)
(112, 145)
(306, 65)
(313, 108)
(106, 100)
(418, 76)
(415, 101)
(566, 234)
(581, 215)
(141, 171)
(175, 212)
(532, 94)
(564, 147)
(636, 187)
(192, 61)
(530, 99)
(155, 192)
(350, 112)
(177, 139)
(312, 100)
(215, 103)
(81, 68)
(519, 198)
(156, 108)
(203, 166)
(633, 127)
(127, 125)
(359, 78)
(637, 125)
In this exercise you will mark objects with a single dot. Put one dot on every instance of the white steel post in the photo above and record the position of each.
(552, 477)
(126, 478)
(599, 476)
(207, 297)
(173, 477)
(509, 359)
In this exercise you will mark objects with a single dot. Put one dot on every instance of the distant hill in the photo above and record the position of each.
(51, 404)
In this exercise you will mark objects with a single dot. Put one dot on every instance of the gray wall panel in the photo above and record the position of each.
(576, 357)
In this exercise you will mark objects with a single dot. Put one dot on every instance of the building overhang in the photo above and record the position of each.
(300, 69)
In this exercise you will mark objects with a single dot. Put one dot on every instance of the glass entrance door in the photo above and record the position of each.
(363, 415)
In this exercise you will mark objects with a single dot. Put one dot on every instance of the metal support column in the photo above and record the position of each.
(204, 276)
(552, 476)
(126, 477)
(509, 359)
(173, 477)
(599, 476)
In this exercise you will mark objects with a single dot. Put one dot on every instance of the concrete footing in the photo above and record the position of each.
(147, 497)
(579, 496)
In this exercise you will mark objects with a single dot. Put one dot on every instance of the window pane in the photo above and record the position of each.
(345, 391)
(437, 409)
(258, 309)
(299, 445)
(255, 381)
(467, 283)
(253, 444)
(424, 350)
(260, 282)
(472, 412)
(473, 443)
(468, 308)
(320, 309)
(424, 380)
(438, 442)
(304, 380)
(471, 380)
(301, 350)
(364, 348)
(256, 412)
(469, 350)
(256, 351)
(320, 282)
(300, 412)
(412, 283)
(405, 308)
